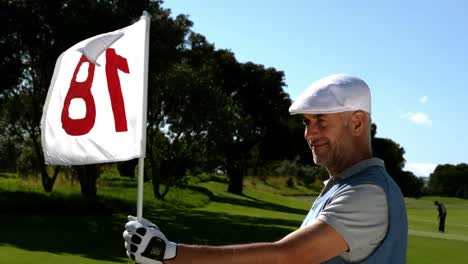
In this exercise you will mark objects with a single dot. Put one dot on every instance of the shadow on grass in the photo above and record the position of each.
(27, 203)
(119, 181)
(252, 202)
(93, 228)
(58, 223)
(195, 227)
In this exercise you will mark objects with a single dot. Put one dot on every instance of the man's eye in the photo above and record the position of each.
(305, 122)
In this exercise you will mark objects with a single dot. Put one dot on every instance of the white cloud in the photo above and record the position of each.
(418, 118)
(424, 99)
(420, 169)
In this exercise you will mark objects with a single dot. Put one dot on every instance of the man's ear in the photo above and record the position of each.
(358, 123)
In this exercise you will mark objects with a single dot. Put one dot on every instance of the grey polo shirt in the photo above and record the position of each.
(359, 213)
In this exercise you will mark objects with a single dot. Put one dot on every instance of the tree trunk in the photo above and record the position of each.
(236, 177)
(87, 175)
(47, 182)
(155, 180)
(127, 168)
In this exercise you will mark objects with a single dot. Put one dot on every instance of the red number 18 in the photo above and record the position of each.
(78, 127)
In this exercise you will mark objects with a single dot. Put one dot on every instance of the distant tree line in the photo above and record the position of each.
(207, 112)
(392, 154)
(449, 180)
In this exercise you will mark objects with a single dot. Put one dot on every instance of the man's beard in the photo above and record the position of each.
(330, 159)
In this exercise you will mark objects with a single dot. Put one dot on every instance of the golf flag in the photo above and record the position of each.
(95, 109)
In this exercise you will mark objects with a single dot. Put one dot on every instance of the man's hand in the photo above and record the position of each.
(145, 243)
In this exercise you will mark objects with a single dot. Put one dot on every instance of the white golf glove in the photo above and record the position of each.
(145, 243)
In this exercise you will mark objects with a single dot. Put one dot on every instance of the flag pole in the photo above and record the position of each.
(141, 161)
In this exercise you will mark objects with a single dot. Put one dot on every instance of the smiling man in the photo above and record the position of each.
(360, 200)
(359, 217)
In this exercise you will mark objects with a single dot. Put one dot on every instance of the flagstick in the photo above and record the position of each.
(141, 162)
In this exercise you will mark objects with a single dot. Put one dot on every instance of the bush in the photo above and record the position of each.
(26, 162)
(206, 177)
(286, 168)
(8, 154)
(305, 175)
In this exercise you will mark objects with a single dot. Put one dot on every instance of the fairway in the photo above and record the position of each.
(426, 244)
(62, 228)
(438, 235)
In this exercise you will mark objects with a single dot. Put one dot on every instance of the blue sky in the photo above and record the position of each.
(412, 54)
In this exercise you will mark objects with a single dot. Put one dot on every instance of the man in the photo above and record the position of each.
(359, 217)
(442, 214)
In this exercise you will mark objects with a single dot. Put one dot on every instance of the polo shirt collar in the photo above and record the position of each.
(354, 169)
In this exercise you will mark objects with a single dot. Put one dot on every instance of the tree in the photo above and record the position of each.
(34, 37)
(256, 114)
(87, 175)
(127, 168)
(10, 141)
(450, 180)
(167, 45)
(392, 154)
(207, 114)
(411, 185)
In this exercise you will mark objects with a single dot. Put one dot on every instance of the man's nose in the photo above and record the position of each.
(311, 132)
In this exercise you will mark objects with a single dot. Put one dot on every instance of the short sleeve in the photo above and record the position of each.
(360, 215)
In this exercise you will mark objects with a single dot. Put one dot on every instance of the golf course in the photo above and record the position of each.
(64, 227)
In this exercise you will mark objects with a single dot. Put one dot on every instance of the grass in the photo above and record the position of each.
(22, 256)
(62, 227)
(426, 244)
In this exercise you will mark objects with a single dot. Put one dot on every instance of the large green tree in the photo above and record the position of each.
(450, 180)
(255, 119)
(35, 35)
(214, 112)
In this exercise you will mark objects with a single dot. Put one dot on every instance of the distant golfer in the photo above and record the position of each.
(442, 215)
(359, 217)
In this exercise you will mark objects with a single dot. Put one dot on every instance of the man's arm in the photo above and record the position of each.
(315, 243)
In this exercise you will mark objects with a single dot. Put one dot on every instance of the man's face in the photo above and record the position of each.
(328, 137)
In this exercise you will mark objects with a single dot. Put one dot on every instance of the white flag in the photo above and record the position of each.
(94, 107)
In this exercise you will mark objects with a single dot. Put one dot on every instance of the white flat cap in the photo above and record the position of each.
(333, 94)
